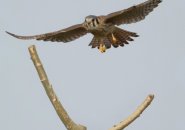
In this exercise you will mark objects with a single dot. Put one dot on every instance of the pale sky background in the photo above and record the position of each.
(98, 90)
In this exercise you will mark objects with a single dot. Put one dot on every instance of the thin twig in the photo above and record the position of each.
(67, 121)
(134, 115)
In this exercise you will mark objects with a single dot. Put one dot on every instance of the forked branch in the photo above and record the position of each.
(123, 124)
(67, 121)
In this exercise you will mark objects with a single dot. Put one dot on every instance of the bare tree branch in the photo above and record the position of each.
(67, 121)
(134, 115)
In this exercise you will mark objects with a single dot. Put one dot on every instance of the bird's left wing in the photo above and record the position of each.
(132, 14)
(64, 35)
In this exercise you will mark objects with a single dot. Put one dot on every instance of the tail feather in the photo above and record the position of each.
(118, 37)
(123, 36)
(94, 43)
(107, 42)
(97, 41)
(111, 40)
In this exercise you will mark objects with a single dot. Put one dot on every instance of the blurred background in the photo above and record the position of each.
(98, 90)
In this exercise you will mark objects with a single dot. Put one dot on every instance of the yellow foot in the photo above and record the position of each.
(102, 48)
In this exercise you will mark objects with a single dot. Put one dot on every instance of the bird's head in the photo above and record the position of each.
(90, 18)
(91, 22)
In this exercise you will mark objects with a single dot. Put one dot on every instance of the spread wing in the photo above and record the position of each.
(64, 35)
(132, 14)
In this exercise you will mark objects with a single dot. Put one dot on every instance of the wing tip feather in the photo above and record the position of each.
(10, 33)
(20, 37)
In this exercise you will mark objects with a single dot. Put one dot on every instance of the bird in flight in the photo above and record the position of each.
(104, 28)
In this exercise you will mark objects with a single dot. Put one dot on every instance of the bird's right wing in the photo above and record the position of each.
(133, 14)
(64, 35)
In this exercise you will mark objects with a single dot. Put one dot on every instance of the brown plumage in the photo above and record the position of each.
(104, 28)
(122, 37)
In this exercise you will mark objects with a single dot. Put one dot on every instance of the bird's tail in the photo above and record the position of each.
(117, 38)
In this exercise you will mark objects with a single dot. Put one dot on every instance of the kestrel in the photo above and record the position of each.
(104, 28)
